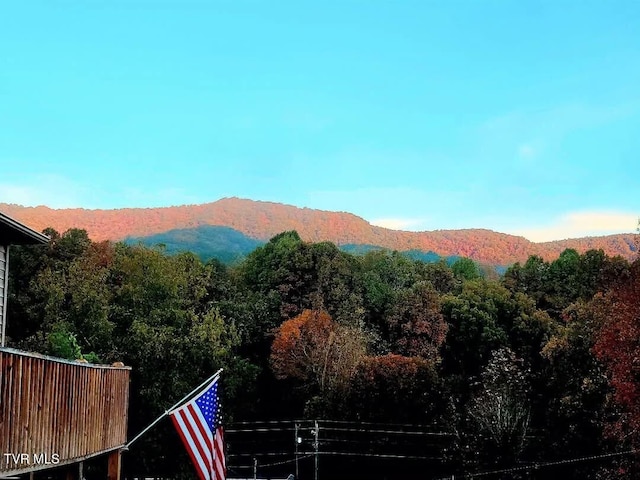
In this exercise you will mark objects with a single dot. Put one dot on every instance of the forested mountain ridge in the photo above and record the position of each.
(262, 220)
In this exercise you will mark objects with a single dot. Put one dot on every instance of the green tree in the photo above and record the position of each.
(465, 269)
(570, 407)
(531, 279)
(485, 317)
(33, 275)
(556, 285)
(383, 277)
(169, 330)
(282, 267)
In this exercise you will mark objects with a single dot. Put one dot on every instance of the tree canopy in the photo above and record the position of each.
(526, 367)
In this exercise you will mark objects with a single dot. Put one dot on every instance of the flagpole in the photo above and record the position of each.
(208, 380)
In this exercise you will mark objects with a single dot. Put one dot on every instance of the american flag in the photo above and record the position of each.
(199, 425)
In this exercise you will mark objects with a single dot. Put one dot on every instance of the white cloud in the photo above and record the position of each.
(411, 224)
(582, 224)
(526, 151)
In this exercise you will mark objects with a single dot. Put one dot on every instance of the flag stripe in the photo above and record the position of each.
(197, 424)
(179, 424)
(200, 433)
(219, 463)
(192, 444)
(195, 442)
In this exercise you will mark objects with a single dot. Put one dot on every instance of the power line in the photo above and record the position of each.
(258, 430)
(377, 455)
(418, 429)
(542, 465)
(265, 465)
(312, 453)
(347, 427)
(347, 422)
(263, 454)
(389, 432)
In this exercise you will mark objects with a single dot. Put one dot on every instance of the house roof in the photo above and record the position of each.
(13, 232)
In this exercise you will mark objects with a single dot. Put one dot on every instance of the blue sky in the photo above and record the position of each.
(518, 116)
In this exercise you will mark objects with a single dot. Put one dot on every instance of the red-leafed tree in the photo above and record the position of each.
(618, 347)
(317, 350)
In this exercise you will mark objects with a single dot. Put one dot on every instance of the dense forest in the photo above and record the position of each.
(537, 365)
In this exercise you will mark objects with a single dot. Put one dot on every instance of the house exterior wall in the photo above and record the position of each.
(4, 289)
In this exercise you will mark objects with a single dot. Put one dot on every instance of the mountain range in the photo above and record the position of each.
(258, 221)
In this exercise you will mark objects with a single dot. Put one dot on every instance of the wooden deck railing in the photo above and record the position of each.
(55, 412)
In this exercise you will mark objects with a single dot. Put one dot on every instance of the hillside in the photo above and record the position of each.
(207, 241)
(262, 220)
(230, 246)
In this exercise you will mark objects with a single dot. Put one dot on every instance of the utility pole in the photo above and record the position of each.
(316, 446)
(297, 439)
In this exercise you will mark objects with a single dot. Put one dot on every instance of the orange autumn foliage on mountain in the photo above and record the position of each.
(263, 220)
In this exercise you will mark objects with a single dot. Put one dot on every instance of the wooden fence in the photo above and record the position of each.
(55, 412)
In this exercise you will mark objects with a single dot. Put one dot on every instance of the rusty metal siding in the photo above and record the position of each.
(55, 407)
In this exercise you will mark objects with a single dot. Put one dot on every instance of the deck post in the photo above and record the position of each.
(115, 465)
